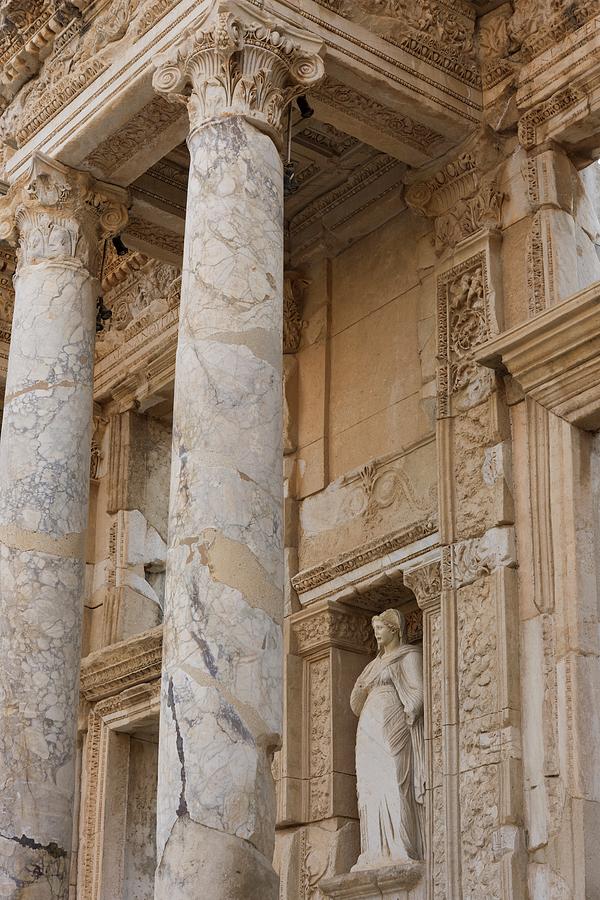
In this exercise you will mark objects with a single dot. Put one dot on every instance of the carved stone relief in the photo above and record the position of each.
(464, 322)
(143, 296)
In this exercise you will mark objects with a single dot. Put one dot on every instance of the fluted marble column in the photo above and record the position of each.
(58, 216)
(222, 666)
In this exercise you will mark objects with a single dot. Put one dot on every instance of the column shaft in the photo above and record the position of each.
(221, 711)
(44, 484)
(222, 641)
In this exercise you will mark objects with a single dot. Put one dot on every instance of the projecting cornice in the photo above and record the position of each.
(555, 357)
(94, 87)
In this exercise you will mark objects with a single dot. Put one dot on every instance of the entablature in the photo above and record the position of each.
(95, 86)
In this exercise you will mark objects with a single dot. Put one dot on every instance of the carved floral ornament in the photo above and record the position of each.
(462, 198)
(61, 213)
(240, 64)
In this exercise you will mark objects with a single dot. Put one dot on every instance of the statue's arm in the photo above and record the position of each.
(358, 695)
(413, 674)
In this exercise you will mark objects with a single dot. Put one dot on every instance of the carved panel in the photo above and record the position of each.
(463, 325)
(319, 738)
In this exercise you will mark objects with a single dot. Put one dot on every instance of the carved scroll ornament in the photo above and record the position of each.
(240, 64)
(61, 213)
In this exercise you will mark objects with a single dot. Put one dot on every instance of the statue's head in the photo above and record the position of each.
(389, 626)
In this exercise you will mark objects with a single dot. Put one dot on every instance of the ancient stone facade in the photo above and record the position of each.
(299, 326)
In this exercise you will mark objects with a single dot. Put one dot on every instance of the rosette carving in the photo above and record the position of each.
(58, 213)
(240, 64)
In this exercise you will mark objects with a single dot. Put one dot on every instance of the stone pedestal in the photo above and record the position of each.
(400, 882)
(59, 217)
(222, 667)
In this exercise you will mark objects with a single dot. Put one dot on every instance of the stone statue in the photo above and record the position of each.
(390, 749)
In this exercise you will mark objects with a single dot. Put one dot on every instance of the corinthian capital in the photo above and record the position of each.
(58, 213)
(240, 63)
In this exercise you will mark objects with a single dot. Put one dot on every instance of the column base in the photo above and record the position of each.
(202, 862)
(400, 882)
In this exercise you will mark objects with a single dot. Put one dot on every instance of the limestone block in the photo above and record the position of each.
(369, 501)
(391, 251)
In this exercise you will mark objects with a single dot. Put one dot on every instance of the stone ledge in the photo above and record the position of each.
(396, 882)
(120, 666)
(555, 357)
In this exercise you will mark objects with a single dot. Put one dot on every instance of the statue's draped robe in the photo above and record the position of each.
(390, 757)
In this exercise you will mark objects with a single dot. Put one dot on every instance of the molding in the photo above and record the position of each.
(122, 666)
(117, 713)
(369, 575)
(359, 52)
(555, 357)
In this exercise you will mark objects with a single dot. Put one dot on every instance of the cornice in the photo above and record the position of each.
(79, 101)
(113, 669)
(363, 576)
(555, 357)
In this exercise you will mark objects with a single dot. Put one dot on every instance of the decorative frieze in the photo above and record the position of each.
(370, 112)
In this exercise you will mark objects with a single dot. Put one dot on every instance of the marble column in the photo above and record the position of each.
(58, 217)
(221, 709)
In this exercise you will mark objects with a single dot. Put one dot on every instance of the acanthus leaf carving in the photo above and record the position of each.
(328, 626)
(425, 582)
(61, 213)
(237, 66)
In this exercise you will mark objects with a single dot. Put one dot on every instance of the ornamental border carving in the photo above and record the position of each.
(534, 125)
(105, 716)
